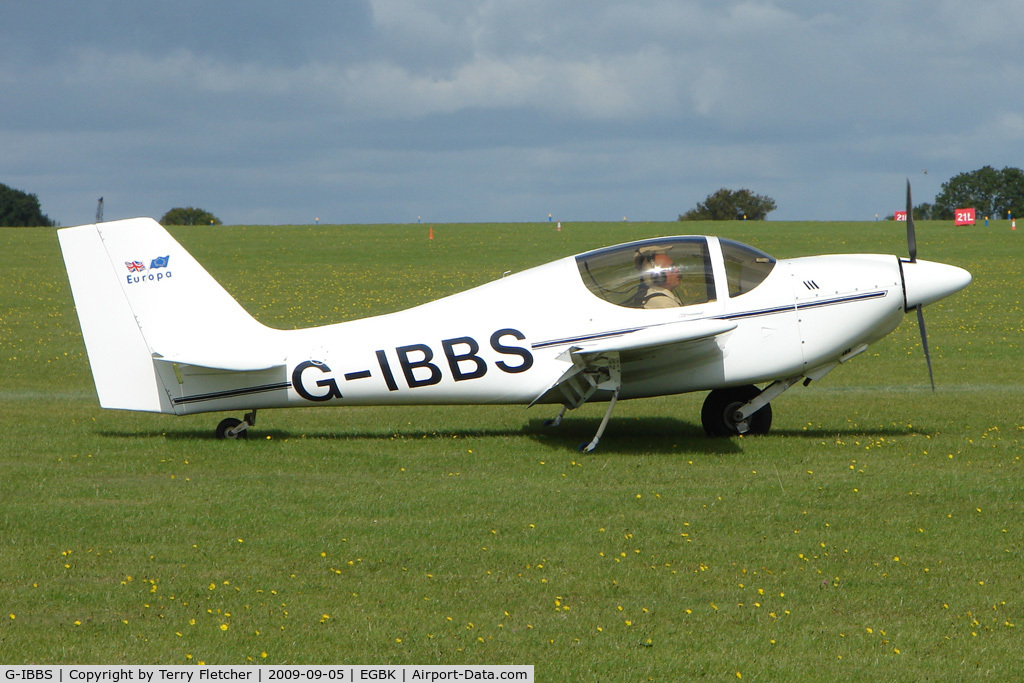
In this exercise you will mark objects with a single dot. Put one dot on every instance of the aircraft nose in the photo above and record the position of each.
(925, 282)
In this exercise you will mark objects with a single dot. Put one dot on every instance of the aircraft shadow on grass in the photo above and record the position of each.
(646, 435)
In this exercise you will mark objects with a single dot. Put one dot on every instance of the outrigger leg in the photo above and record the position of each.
(587, 447)
(557, 420)
(579, 383)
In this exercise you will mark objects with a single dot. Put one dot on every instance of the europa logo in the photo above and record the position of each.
(138, 273)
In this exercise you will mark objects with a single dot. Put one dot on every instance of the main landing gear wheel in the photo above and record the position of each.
(718, 414)
(228, 429)
(233, 428)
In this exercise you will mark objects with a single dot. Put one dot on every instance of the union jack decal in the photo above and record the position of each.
(135, 266)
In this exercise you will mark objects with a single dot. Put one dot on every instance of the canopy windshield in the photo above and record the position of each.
(670, 272)
(660, 273)
(745, 266)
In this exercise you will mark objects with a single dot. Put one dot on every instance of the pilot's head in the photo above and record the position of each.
(658, 270)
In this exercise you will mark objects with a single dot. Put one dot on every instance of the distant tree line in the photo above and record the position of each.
(990, 192)
(21, 210)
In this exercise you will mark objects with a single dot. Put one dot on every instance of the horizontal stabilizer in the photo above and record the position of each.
(232, 362)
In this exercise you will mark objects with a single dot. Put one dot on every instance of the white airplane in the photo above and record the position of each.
(659, 316)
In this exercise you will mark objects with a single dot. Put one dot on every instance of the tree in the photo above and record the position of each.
(728, 205)
(21, 210)
(991, 192)
(189, 216)
(922, 212)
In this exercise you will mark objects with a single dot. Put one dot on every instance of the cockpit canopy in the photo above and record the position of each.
(670, 272)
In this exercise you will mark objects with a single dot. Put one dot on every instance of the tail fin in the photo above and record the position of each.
(142, 298)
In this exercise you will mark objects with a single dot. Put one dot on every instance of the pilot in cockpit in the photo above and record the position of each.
(659, 277)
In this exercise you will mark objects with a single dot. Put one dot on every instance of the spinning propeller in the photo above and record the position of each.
(912, 248)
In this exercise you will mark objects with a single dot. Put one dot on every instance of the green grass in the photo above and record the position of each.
(877, 532)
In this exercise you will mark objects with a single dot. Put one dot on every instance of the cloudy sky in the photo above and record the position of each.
(361, 111)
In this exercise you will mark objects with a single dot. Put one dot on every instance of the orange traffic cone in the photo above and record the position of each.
(431, 235)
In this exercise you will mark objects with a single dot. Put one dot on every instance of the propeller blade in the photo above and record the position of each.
(911, 235)
(924, 343)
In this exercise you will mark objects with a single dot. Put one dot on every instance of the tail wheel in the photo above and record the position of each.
(226, 429)
(717, 415)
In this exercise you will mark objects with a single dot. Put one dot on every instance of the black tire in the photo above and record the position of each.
(716, 415)
(227, 424)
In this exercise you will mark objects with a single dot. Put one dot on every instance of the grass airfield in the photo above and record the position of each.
(876, 532)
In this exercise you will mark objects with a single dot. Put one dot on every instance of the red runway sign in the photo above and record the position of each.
(964, 216)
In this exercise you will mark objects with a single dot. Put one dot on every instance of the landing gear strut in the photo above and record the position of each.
(233, 428)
